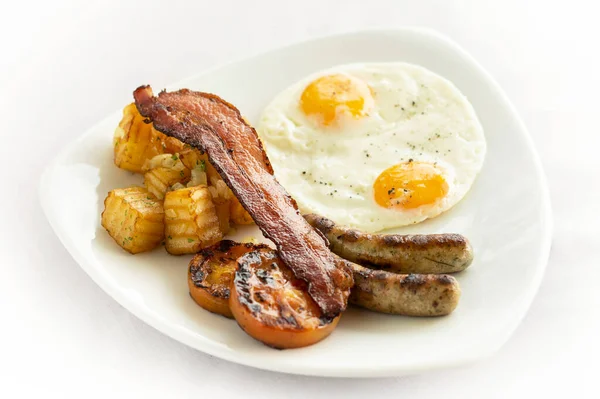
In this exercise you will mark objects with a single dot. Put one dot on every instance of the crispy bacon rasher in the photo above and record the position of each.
(207, 122)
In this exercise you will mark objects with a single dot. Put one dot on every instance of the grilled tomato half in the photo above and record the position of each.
(211, 272)
(273, 306)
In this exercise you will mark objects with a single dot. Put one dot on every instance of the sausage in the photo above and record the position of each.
(414, 253)
(404, 294)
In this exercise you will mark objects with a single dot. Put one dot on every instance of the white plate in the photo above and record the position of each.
(506, 215)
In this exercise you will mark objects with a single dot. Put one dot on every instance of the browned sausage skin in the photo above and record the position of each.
(404, 294)
(414, 253)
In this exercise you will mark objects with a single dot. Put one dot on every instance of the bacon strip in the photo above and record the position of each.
(207, 122)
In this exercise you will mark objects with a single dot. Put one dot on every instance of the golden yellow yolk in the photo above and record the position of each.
(409, 185)
(329, 96)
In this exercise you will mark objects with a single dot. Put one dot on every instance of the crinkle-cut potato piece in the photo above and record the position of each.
(220, 193)
(191, 221)
(134, 219)
(223, 215)
(165, 171)
(238, 214)
(192, 158)
(198, 177)
(136, 142)
(221, 196)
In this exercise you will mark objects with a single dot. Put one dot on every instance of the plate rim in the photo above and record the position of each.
(210, 348)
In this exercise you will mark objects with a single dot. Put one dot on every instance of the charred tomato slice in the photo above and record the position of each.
(273, 306)
(211, 272)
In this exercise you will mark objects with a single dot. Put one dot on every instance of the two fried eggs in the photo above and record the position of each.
(374, 146)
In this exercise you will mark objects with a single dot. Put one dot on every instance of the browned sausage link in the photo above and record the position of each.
(416, 253)
(404, 294)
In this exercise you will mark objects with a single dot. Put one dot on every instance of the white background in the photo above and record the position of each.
(65, 65)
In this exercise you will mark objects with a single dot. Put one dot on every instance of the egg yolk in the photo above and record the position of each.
(327, 97)
(409, 185)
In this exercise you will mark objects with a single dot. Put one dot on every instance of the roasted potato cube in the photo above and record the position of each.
(221, 196)
(134, 219)
(165, 171)
(192, 158)
(198, 177)
(238, 214)
(223, 216)
(191, 221)
(136, 142)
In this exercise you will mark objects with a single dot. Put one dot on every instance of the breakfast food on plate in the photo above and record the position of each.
(134, 219)
(374, 146)
(207, 122)
(167, 165)
(193, 158)
(273, 306)
(404, 294)
(191, 221)
(136, 142)
(221, 197)
(414, 253)
(371, 146)
(164, 171)
(238, 214)
(211, 271)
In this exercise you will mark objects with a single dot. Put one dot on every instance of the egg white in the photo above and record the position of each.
(330, 170)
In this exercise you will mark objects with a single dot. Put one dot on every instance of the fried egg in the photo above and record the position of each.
(374, 146)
